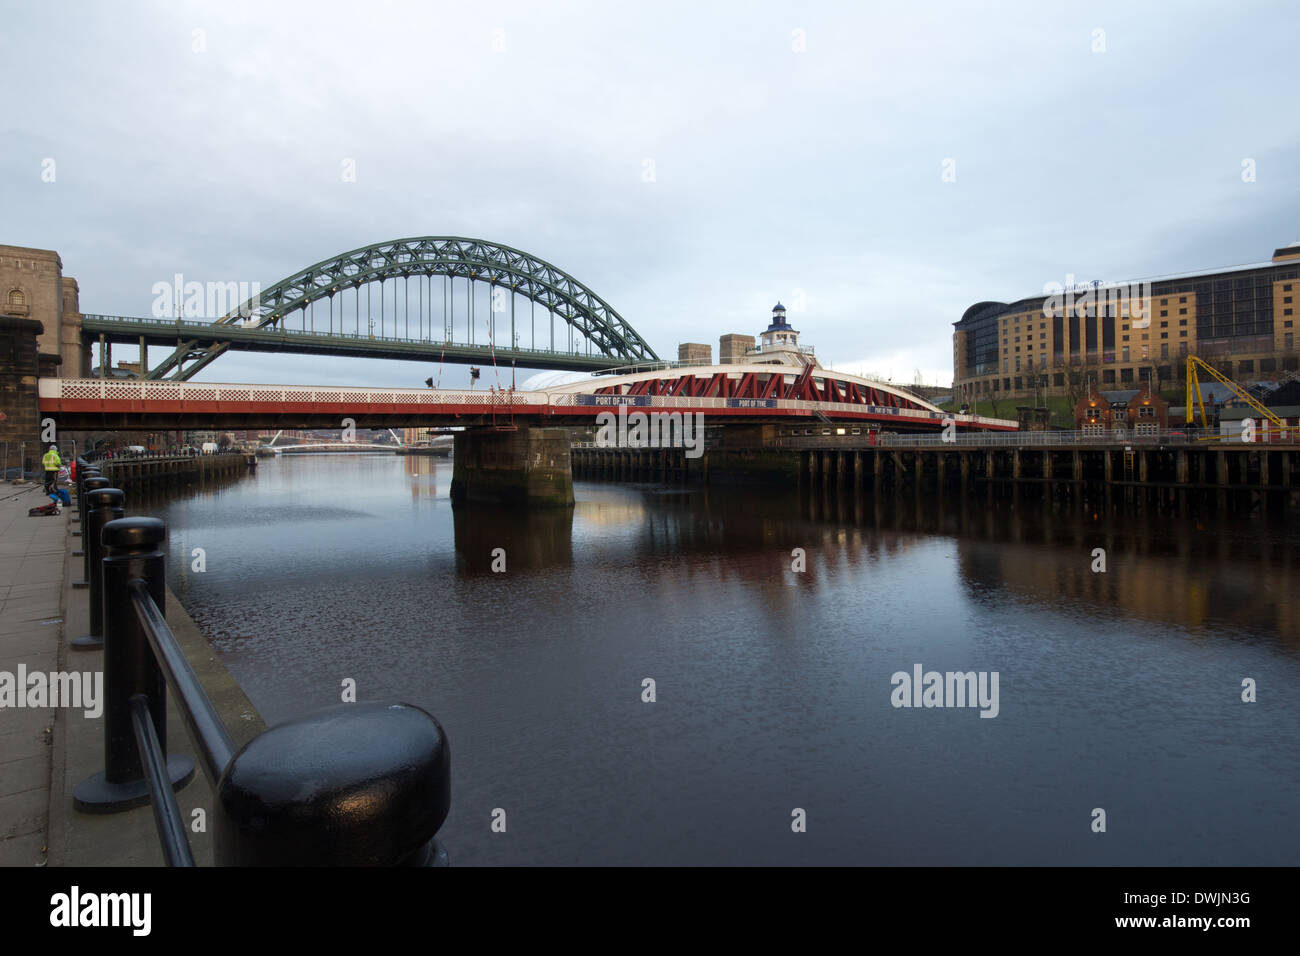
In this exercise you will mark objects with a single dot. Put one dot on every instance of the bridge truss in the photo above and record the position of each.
(383, 301)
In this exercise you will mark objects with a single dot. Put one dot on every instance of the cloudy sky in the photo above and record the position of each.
(799, 152)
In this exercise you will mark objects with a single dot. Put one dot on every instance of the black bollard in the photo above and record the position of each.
(77, 515)
(354, 785)
(84, 474)
(103, 505)
(92, 483)
(130, 669)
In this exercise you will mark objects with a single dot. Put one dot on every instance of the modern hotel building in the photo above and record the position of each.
(1242, 320)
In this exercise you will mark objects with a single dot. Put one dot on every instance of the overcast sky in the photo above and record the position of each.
(796, 148)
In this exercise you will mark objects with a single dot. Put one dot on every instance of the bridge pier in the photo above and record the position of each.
(527, 467)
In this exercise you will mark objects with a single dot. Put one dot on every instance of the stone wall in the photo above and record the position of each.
(19, 371)
(32, 286)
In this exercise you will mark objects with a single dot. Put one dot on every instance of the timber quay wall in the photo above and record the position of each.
(150, 473)
(1231, 475)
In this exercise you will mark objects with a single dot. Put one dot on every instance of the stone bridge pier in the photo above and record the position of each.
(523, 467)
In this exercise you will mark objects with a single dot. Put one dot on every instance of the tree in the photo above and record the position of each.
(1076, 384)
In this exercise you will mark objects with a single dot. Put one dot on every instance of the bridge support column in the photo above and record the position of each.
(21, 367)
(529, 467)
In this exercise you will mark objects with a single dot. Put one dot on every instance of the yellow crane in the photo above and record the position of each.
(1194, 393)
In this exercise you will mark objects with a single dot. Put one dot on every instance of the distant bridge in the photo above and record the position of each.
(361, 304)
(339, 446)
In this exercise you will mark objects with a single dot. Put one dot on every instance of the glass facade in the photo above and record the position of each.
(1215, 315)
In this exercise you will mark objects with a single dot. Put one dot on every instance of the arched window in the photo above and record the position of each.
(17, 297)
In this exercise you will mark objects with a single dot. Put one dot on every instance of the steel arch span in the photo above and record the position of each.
(455, 257)
(607, 336)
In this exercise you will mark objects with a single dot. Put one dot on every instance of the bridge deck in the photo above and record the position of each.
(161, 404)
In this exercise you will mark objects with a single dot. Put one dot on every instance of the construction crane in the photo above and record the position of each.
(1194, 393)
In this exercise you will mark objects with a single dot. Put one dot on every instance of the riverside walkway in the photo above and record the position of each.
(45, 751)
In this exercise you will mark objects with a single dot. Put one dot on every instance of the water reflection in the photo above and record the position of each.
(492, 540)
(774, 684)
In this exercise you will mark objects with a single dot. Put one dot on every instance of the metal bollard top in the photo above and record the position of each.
(365, 784)
(105, 498)
(138, 531)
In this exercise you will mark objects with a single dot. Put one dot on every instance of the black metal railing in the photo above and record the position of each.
(354, 784)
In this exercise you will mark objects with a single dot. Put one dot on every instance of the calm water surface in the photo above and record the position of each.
(1119, 690)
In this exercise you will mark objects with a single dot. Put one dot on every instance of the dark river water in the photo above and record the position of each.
(1120, 691)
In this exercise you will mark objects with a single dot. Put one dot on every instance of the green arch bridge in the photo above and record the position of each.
(432, 298)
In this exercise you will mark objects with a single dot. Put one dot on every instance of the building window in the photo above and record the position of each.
(1164, 301)
(1182, 311)
(1287, 311)
(1182, 348)
(1124, 354)
(1164, 350)
(1286, 300)
(1287, 340)
(1182, 321)
(16, 297)
(1182, 299)
(1164, 335)
(1246, 365)
(1164, 325)
(1183, 334)
(1163, 313)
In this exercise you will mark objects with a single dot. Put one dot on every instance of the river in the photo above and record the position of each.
(774, 689)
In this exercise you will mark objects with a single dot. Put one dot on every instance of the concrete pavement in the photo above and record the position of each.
(46, 752)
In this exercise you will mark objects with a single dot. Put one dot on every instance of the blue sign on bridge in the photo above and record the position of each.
(613, 399)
